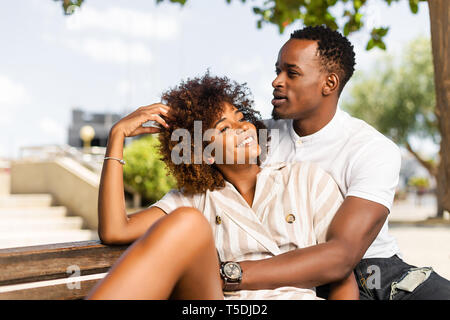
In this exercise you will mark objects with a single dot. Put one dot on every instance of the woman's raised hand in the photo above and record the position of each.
(131, 125)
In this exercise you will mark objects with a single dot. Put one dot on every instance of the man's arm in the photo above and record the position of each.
(352, 230)
(346, 289)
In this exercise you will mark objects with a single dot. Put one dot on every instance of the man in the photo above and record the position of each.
(312, 69)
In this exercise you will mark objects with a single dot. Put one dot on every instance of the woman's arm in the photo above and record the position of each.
(115, 227)
(346, 289)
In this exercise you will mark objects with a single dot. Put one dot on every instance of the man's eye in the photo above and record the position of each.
(224, 129)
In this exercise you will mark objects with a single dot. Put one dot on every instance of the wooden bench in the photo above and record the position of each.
(54, 271)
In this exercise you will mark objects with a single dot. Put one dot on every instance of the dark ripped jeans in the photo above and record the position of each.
(393, 279)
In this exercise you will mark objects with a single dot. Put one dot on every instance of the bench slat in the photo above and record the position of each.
(53, 292)
(38, 263)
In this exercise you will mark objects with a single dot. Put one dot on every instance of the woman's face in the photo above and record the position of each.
(235, 137)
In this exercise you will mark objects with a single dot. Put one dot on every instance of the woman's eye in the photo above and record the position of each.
(224, 129)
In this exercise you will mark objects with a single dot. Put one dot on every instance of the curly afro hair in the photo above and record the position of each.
(201, 99)
(335, 51)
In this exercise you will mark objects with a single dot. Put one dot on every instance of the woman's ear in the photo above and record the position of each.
(210, 160)
(331, 84)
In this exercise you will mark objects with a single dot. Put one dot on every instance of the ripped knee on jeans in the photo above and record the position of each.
(413, 278)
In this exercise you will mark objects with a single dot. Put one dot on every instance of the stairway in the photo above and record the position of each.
(30, 219)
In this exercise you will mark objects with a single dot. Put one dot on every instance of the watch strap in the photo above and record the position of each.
(231, 286)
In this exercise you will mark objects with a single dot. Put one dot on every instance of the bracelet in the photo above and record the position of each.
(120, 160)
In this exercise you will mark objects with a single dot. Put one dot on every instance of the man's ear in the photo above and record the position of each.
(331, 84)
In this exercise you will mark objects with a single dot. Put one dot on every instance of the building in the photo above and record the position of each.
(101, 122)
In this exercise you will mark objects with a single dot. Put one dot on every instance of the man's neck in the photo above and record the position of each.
(314, 122)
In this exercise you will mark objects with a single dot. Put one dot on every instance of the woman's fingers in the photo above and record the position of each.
(159, 108)
(148, 115)
(162, 108)
(131, 125)
(144, 130)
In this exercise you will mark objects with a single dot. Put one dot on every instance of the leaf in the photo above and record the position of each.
(383, 31)
(414, 5)
(259, 24)
(357, 4)
(380, 44)
(370, 44)
(347, 29)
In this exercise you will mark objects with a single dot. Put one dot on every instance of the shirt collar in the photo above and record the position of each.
(330, 130)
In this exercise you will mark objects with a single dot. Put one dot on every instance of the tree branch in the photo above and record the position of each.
(432, 169)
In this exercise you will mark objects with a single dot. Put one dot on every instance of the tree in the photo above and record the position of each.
(284, 12)
(145, 172)
(399, 99)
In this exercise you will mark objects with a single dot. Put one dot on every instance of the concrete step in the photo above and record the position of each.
(25, 200)
(10, 224)
(21, 239)
(29, 220)
(33, 212)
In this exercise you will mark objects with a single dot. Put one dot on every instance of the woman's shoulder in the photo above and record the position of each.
(181, 196)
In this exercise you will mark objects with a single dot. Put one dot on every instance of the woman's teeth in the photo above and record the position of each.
(246, 141)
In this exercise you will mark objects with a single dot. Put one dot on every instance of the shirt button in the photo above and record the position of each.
(218, 220)
(299, 142)
(290, 218)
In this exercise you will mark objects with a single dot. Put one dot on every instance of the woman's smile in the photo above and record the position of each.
(250, 140)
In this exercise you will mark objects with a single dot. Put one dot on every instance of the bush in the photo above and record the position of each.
(144, 171)
(419, 182)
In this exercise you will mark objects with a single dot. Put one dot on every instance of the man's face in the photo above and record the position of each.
(299, 82)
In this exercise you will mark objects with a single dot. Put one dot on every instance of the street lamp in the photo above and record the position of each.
(87, 133)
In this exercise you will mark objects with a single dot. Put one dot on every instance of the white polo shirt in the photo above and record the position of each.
(362, 161)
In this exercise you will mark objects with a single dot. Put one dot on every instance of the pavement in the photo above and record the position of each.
(423, 241)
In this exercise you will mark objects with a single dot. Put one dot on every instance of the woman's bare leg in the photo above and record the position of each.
(176, 258)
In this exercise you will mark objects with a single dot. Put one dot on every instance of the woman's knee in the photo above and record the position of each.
(186, 224)
(191, 220)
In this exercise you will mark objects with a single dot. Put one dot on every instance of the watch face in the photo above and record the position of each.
(232, 270)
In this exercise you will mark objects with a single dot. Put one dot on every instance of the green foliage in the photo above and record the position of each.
(69, 6)
(311, 12)
(419, 182)
(319, 12)
(182, 2)
(144, 171)
(398, 99)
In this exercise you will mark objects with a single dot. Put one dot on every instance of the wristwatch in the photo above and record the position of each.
(231, 273)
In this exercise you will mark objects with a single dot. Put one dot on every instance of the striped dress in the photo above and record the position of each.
(293, 206)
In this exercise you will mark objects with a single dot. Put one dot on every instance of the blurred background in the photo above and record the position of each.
(69, 72)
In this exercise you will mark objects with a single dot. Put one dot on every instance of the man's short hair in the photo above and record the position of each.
(335, 51)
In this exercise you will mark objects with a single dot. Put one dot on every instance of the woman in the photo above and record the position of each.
(226, 208)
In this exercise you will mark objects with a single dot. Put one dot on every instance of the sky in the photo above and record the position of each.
(118, 55)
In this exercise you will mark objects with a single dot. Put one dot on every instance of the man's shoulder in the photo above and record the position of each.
(361, 135)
